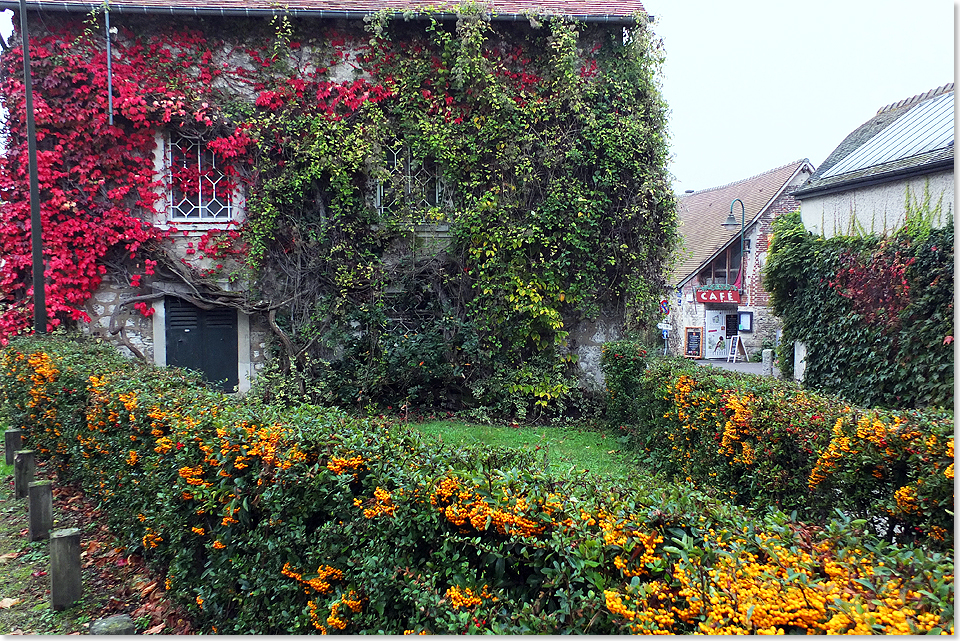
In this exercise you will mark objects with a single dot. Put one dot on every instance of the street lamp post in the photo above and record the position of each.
(730, 224)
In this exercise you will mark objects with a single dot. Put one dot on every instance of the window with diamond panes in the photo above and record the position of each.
(201, 190)
(413, 184)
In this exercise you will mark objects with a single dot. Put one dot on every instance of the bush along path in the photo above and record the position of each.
(268, 520)
(763, 442)
(114, 582)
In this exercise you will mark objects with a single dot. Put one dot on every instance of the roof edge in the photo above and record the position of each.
(933, 93)
(874, 179)
(309, 13)
(799, 162)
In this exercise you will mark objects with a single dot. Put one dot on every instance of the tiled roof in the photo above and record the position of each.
(702, 214)
(593, 10)
(907, 137)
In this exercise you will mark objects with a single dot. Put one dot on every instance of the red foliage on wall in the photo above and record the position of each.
(98, 187)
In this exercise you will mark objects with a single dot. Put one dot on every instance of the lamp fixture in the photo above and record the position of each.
(730, 224)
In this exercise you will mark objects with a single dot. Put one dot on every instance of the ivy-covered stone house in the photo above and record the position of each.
(709, 290)
(383, 200)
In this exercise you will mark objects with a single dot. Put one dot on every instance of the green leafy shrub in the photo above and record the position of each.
(274, 520)
(763, 442)
(878, 306)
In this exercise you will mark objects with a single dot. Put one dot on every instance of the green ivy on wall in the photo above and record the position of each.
(550, 142)
(876, 313)
(430, 204)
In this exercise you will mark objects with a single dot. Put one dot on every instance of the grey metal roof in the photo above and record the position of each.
(868, 155)
(927, 126)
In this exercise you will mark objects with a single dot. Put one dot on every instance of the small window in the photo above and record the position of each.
(202, 188)
(413, 184)
(718, 272)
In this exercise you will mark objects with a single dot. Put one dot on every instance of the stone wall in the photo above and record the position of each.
(136, 335)
(131, 331)
(586, 340)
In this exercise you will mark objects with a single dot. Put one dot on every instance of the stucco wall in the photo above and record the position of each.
(876, 208)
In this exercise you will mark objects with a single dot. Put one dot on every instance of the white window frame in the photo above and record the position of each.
(230, 212)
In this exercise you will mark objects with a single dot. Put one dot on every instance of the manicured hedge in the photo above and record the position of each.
(764, 442)
(289, 522)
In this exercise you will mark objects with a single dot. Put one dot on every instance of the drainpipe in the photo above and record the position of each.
(36, 236)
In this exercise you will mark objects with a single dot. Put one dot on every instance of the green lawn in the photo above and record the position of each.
(562, 448)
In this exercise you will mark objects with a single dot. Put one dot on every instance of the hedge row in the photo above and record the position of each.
(761, 442)
(878, 306)
(268, 521)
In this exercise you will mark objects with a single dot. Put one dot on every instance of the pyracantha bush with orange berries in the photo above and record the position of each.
(291, 521)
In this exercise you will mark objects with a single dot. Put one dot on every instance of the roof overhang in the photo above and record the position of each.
(868, 181)
(328, 14)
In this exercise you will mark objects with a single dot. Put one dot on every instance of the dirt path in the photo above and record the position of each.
(113, 582)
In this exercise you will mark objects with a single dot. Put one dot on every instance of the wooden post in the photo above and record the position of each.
(12, 441)
(24, 467)
(40, 496)
(65, 585)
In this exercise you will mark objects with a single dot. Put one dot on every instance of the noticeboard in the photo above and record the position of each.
(693, 342)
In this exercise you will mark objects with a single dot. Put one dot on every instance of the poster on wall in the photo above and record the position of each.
(693, 342)
(716, 338)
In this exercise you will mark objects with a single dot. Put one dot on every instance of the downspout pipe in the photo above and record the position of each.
(106, 15)
(36, 235)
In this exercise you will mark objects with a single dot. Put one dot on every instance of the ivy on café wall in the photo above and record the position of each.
(545, 141)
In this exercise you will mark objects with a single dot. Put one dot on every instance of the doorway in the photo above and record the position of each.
(204, 340)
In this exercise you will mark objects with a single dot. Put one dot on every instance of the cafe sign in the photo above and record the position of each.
(718, 296)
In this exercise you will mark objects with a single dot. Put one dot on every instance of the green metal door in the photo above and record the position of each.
(203, 340)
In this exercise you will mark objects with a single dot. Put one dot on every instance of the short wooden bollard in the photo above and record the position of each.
(40, 497)
(12, 441)
(24, 467)
(65, 585)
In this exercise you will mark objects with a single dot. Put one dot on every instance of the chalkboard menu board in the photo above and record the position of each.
(693, 342)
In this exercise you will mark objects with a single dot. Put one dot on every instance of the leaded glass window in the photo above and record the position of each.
(201, 188)
(413, 184)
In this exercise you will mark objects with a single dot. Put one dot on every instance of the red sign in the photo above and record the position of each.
(718, 296)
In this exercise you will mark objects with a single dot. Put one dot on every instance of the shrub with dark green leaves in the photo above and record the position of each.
(876, 313)
(274, 520)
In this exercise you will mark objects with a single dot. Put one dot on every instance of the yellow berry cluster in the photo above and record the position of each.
(466, 508)
(467, 598)
(339, 465)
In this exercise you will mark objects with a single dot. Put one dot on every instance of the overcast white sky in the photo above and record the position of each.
(756, 84)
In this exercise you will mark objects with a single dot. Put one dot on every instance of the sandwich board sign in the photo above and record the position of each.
(736, 348)
(693, 342)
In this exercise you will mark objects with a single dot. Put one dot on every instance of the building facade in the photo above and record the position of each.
(897, 163)
(716, 290)
(160, 191)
